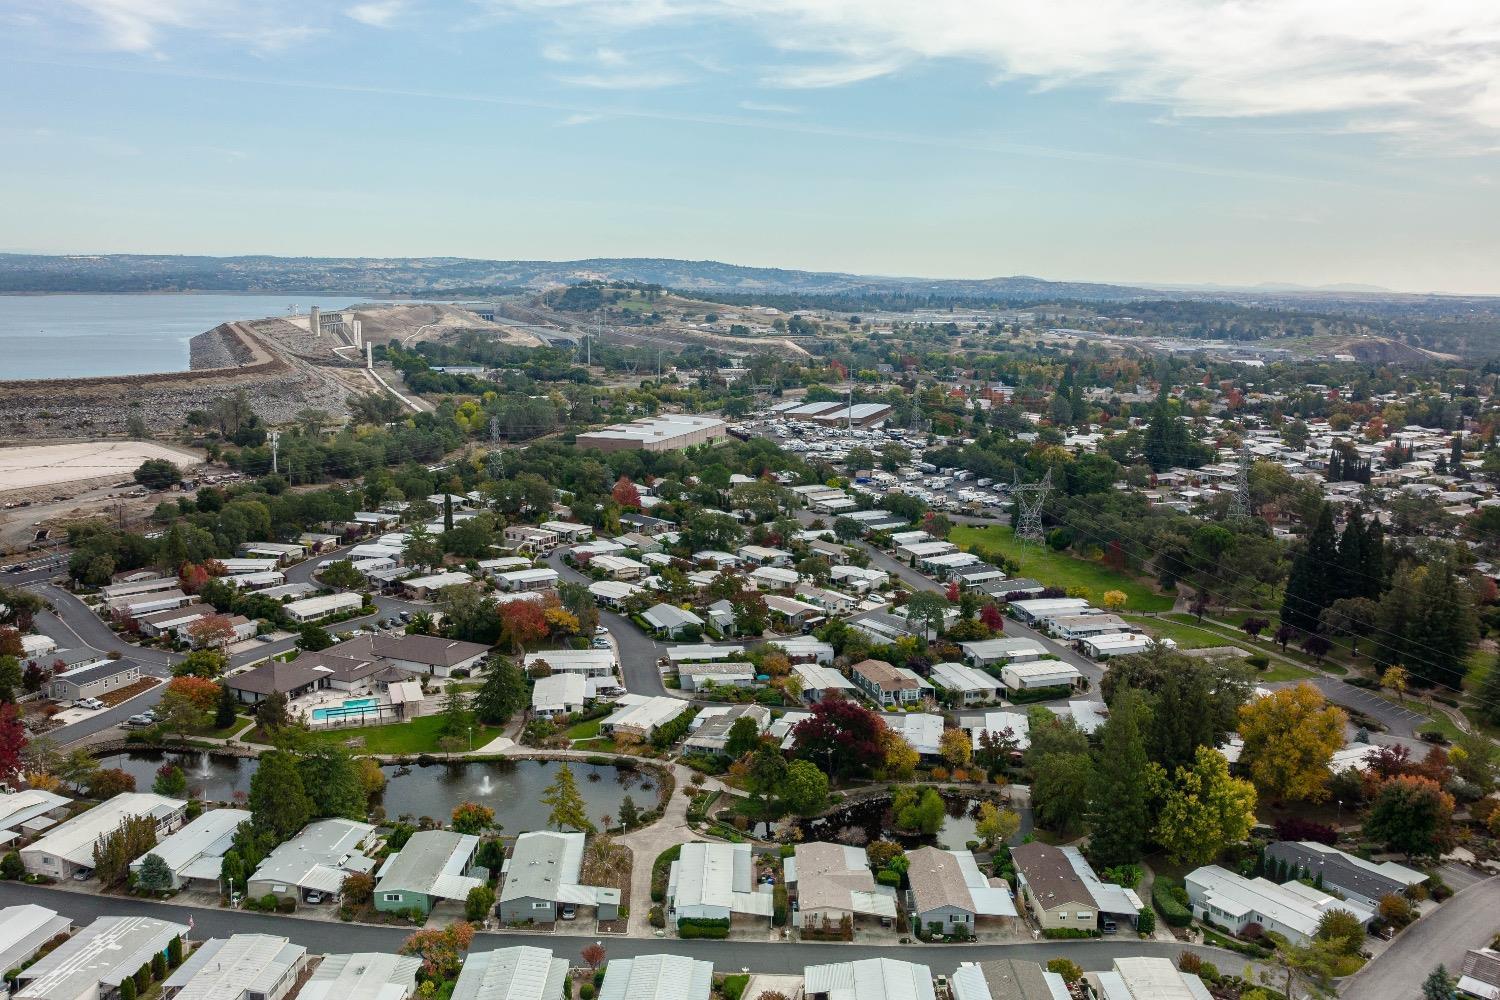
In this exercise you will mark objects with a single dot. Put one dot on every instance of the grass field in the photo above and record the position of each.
(1056, 569)
(1184, 630)
(418, 736)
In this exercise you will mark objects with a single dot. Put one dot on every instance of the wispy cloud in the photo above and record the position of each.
(626, 80)
(580, 118)
(1398, 67)
(377, 13)
(142, 25)
(761, 107)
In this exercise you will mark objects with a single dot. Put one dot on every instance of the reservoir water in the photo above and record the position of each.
(77, 336)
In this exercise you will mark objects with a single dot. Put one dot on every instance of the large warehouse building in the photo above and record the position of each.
(663, 433)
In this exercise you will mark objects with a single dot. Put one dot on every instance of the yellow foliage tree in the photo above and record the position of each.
(956, 747)
(561, 621)
(1290, 736)
(1114, 600)
(1203, 809)
(901, 758)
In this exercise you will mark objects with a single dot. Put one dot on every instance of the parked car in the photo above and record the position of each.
(140, 720)
(569, 911)
(600, 630)
(89, 703)
(600, 644)
(83, 874)
(406, 616)
(315, 897)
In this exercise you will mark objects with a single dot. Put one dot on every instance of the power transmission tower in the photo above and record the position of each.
(1239, 504)
(275, 438)
(1030, 498)
(494, 430)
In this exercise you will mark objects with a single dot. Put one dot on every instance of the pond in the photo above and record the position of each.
(872, 820)
(512, 788)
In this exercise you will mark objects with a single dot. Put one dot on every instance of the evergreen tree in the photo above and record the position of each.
(331, 779)
(1351, 559)
(1309, 585)
(1119, 800)
(456, 715)
(565, 804)
(279, 805)
(1372, 575)
(1183, 718)
(502, 695)
(447, 511)
(225, 712)
(154, 874)
(1439, 985)
(1444, 630)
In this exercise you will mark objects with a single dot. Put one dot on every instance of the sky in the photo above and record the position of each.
(1181, 141)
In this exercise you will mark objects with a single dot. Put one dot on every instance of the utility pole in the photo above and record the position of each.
(1030, 497)
(275, 439)
(1239, 504)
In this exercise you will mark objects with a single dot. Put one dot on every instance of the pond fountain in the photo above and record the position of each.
(512, 788)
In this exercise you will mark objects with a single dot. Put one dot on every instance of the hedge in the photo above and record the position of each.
(660, 869)
(1171, 910)
(1039, 694)
(1067, 933)
(734, 986)
(689, 928)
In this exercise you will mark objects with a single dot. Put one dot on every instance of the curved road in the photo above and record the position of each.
(323, 936)
(638, 652)
(1469, 920)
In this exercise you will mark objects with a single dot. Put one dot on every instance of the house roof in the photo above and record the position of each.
(319, 856)
(838, 877)
(105, 951)
(657, 977)
(542, 864)
(208, 836)
(25, 928)
(431, 863)
(429, 649)
(886, 677)
(229, 968)
(522, 972)
(870, 979)
(1345, 871)
(719, 875)
(99, 671)
(276, 676)
(363, 976)
(1050, 875)
(1007, 979)
(74, 839)
(942, 878)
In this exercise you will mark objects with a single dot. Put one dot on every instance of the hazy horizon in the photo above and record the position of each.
(1163, 142)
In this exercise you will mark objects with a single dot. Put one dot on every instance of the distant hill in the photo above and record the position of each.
(429, 275)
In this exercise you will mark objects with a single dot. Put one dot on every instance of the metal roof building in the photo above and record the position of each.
(657, 977)
(70, 845)
(245, 966)
(363, 976)
(196, 852)
(519, 973)
(93, 962)
(869, 979)
(317, 859)
(24, 929)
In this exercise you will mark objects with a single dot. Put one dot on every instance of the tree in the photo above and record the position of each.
(313, 637)
(1395, 678)
(991, 618)
(502, 695)
(804, 790)
(1311, 585)
(918, 810)
(1114, 600)
(566, 808)
(1290, 736)
(478, 903)
(109, 782)
(279, 805)
(342, 575)
(179, 710)
(271, 713)
(1202, 810)
(1487, 697)
(841, 736)
(522, 623)
(1439, 985)
(421, 549)
(630, 813)
(926, 610)
(114, 851)
(1342, 930)
(995, 825)
(226, 709)
(1413, 815)
(1060, 786)
(210, 632)
(1354, 617)
(331, 778)
(157, 474)
(154, 875)
(472, 818)
(900, 757)
(170, 780)
(744, 736)
(625, 494)
(1119, 806)
(956, 747)
(357, 889)
(12, 741)
(441, 950)
(1069, 970)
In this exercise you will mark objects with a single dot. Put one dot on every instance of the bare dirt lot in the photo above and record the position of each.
(58, 465)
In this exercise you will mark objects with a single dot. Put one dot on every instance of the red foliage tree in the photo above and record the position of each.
(842, 737)
(625, 494)
(593, 955)
(992, 618)
(202, 692)
(951, 592)
(522, 622)
(192, 577)
(12, 741)
(10, 643)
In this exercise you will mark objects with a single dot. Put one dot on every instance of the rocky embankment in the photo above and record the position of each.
(229, 358)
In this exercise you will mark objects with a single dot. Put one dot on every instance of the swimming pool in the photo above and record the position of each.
(351, 708)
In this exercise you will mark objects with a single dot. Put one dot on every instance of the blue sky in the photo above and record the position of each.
(1312, 141)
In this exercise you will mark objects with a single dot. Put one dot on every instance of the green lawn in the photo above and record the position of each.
(602, 744)
(584, 730)
(1057, 569)
(1178, 626)
(418, 736)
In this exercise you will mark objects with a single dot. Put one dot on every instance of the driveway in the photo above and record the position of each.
(1397, 720)
(1466, 921)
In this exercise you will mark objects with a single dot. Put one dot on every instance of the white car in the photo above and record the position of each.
(92, 704)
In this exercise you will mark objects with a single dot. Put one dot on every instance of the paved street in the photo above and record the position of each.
(325, 936)
(1469, 920)
(638, 651)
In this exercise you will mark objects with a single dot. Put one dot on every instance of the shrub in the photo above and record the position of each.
(1258, 661)
(656, 917)
(1189, 962)
(1145, 921)
(586, 991)
(734, 986)
(690, 928)
(1208, 972)
(887, 877)
(1172, 910)
(11, 866)
(1292, 828)
(1070, 970)
(1067, 933)
(286, 905)
(660, 869)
